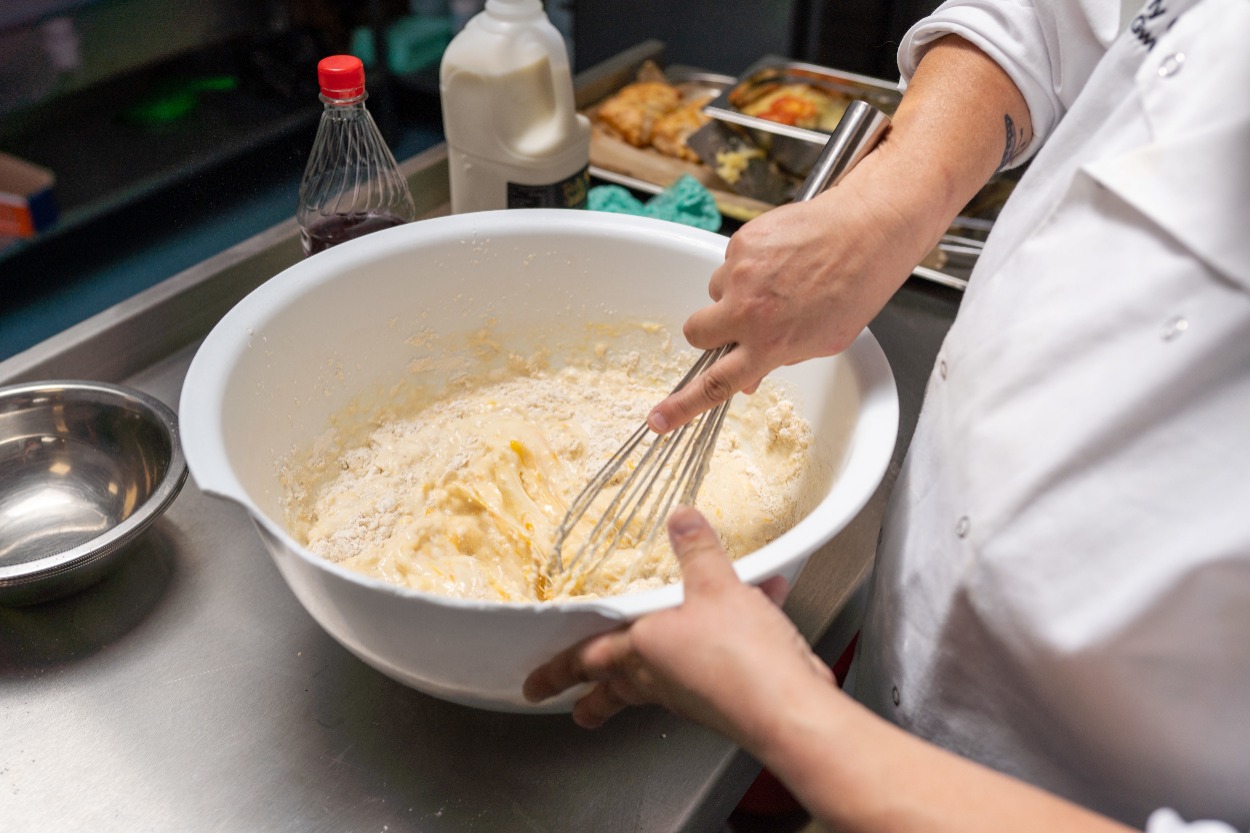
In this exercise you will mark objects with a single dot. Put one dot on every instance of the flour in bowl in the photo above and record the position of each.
(462, 495)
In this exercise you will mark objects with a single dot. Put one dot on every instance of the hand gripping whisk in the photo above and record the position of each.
(654, 471)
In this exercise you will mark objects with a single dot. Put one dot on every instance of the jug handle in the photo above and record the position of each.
(551, 42)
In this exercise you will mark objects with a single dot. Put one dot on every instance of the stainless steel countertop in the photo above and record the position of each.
(189, 690)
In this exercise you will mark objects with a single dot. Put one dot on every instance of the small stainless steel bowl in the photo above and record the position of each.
(85, 468)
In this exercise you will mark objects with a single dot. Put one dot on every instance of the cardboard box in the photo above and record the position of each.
(27, 204)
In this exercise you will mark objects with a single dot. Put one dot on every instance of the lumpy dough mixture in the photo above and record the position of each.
(463, 496)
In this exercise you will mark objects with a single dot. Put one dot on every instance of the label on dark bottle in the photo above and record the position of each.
(567, 193)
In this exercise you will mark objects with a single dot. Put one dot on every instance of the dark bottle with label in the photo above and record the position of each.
(352, 185)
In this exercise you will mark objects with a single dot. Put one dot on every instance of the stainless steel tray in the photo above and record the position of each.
(795, 148)
(189, 690)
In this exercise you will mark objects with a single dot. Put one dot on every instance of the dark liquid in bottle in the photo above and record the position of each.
(334, 230)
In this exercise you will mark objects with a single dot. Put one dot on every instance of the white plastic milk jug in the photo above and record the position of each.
(514, 137)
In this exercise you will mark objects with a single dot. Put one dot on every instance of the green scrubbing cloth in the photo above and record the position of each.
(686, 201)
(615, 199)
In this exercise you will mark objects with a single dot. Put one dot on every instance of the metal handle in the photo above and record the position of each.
(861, 127)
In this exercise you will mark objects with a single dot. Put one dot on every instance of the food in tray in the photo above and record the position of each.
(798, 105)
(731, 164)
(674, 128)
(461, 493)
(632, 113)
(652, 113)
(741, 164)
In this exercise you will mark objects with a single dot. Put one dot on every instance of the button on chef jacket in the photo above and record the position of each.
(1062, 590)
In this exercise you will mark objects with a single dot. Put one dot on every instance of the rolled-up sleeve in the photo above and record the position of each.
(1167, 821)
(1048, 48)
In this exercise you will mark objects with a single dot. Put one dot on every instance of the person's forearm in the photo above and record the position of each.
(961, 119)
(804, 280)
(855, 772)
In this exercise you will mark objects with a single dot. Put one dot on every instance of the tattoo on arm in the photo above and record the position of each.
(1016, 142)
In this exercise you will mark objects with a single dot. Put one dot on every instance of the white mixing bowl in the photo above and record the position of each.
(359, 320)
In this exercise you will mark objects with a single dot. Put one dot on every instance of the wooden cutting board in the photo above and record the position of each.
(613, 154)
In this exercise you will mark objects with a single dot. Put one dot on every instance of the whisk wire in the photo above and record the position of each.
(625, 517)
(651, 486)
(685, 482)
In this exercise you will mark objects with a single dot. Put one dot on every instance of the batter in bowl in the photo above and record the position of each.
(463, 495)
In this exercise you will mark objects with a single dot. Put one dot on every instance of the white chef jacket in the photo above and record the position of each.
(1062, 589)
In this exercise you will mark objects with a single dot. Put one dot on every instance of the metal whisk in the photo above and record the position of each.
(669, 468)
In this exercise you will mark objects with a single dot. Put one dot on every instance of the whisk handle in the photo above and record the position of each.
(861, 127)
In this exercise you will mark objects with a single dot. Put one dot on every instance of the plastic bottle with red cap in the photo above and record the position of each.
(352, 185)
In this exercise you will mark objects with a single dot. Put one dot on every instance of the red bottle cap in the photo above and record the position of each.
(341, 76)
